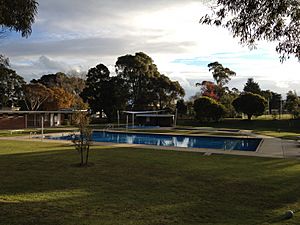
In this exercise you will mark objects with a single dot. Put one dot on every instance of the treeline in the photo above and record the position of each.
(50, 92)
(136, 85)
(215, 100)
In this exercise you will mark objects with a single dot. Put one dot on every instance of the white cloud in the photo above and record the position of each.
(75, 34)
(32, 69)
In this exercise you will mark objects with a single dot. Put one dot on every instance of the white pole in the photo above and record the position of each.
(42, 127)
(118, 115)
(175, 119)
(281, 109)
(133, 121)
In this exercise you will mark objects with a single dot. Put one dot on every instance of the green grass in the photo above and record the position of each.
(271, 117)
(283, 135)
(40, 185)
(285, 128)
(22, 132)
(262, 125)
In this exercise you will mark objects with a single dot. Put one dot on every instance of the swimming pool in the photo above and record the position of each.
(222, 143)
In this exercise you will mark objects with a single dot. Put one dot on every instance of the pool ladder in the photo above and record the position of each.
(108, 126)
(230, 145)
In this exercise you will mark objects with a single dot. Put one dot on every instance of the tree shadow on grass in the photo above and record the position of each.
(133, 186)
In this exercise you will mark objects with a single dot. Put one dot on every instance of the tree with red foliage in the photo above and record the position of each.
(222, 75)
(208, 89)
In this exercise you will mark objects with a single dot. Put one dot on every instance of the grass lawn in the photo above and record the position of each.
(284, 135)
(13, 133)
(284, 128)
(40, 185)
(259, 125)
(278, 117)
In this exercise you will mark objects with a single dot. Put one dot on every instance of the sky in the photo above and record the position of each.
(75, 35)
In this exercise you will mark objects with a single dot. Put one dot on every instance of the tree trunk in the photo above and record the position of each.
(249, 116)
(81, 156)
(160, 103)
(81, 148)
(87, 155)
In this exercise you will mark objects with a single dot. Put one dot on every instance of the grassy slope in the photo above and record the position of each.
(39, 185)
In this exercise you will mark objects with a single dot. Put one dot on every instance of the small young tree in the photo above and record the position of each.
(250, 104)
(207, 109)
(82, 142)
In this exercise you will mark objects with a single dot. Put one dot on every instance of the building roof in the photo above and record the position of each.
(34, 112)
(155, 115)
(142, 112)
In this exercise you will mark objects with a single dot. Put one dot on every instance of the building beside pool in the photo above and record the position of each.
(12, 119)
(161, 120)
(149, 118)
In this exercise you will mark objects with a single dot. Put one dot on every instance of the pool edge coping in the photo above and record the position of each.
(258, 153)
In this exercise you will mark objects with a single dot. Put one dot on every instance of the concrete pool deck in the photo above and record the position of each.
(269, 147)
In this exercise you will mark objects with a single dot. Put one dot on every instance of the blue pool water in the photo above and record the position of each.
(242, 144)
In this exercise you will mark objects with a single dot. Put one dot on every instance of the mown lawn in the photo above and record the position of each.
(255, 124)
(22, 132)
(284, 128)
(41, 185)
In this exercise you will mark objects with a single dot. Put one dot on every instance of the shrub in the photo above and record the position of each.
(207, 109)
(250, 104)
